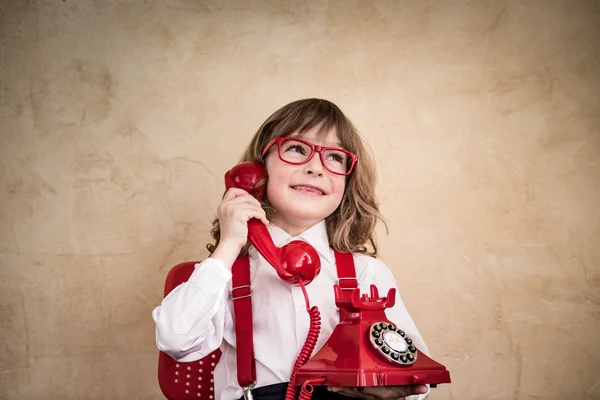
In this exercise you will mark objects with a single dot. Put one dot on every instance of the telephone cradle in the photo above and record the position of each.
(366, 349)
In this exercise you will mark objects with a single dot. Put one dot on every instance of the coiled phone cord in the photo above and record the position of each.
(307, 349)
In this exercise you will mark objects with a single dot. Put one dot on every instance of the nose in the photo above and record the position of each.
(314, 166)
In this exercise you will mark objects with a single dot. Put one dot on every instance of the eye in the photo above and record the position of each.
(297, 149)
(338, 157)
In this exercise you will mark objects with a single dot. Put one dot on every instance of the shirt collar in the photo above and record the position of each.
(316, 236)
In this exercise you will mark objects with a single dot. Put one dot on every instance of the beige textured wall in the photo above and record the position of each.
(118, 119)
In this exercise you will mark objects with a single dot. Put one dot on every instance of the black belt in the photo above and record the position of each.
(277, 392)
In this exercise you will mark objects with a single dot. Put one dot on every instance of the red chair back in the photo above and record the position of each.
(185, 380)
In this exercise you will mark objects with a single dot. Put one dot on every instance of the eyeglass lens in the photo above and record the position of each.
(298, 152)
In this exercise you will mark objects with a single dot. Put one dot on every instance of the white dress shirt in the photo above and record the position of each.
(196, 318)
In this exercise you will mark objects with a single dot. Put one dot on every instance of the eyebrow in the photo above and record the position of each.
(334, 144)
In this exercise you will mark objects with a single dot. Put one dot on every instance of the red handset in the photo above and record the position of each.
(294, 261)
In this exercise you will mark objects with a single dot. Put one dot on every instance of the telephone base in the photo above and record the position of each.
(375, 377)
(366, 349)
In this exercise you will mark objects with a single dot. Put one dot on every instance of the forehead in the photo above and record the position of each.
(319, 135)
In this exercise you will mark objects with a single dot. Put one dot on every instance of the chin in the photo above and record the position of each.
(300, 212)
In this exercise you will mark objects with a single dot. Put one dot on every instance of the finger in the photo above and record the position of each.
(264, 219)
(247, 213)
(258, 212)
(233, 193)
(419, 389)
(242, 202)
(409, 390)
(402, 391)
(243, 212)
(351, 392)
(389, 392)
(381, 392)
(263, 216)
(364, 395)
(348, 393)
(243, 199)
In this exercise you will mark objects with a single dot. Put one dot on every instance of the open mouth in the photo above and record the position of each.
(310, 190)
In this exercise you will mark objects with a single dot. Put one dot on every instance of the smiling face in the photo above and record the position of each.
(304, 194)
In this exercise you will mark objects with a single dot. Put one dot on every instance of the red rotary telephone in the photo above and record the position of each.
(365, 349)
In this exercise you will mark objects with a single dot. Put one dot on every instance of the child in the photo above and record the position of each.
(326, 198)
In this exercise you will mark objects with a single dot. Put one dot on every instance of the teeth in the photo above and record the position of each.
(307, 188)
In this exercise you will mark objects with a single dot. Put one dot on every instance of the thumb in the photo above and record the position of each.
(419, 389)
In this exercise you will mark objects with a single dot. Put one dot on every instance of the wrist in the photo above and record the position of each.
(226, 252)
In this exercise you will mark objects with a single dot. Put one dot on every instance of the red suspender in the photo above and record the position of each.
(242, 308)
(344, 262)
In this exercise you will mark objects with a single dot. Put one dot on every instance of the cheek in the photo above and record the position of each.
(279, 178)
(273, 188)
(338, 186)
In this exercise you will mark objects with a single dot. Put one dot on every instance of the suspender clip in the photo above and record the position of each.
(348, 279)
(248, 391)
(241, 296)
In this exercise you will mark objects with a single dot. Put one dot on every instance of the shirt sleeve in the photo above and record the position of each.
(377, 273)
(190, 320)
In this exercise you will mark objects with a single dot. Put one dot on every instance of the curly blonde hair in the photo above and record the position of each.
(351, 227)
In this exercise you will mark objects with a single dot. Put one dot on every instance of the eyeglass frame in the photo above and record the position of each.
(315, 148)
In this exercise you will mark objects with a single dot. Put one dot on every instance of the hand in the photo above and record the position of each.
(234, 212)
(380, 392)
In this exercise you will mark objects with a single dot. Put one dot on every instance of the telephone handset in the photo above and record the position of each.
(293, 262)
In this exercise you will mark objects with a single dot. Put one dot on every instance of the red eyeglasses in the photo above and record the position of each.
(297, 151)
